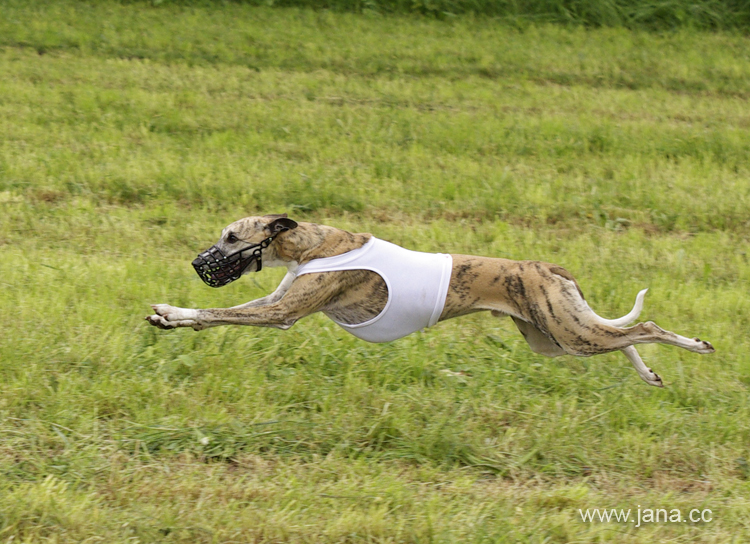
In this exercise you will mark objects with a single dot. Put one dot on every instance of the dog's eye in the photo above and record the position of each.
(232, 238)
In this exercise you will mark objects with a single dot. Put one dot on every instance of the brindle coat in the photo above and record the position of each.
(543, 299)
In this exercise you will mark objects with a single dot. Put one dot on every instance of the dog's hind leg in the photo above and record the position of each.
(586, 336)
(646, 374)
(649, 332)
(539, 343)
(561, 313)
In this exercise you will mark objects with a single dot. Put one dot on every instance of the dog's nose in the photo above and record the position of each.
(198, 261)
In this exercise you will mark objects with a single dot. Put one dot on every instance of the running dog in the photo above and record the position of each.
(380, 292)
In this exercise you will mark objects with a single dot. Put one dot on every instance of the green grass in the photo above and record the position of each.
(640, 14)
(131, 135)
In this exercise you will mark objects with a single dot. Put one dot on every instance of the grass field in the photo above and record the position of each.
(130, 135)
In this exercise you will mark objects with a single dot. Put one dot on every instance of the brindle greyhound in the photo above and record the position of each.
(543, 299)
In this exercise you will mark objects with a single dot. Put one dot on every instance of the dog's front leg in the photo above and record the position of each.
(306, 295)
(169, 317)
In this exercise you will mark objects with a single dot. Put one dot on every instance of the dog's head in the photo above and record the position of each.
(241, 248)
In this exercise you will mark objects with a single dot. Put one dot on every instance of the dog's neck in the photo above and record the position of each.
(311, 241)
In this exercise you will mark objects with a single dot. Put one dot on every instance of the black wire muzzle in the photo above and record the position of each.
(217, 269)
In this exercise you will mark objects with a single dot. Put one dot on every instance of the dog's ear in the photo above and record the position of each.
(281, 223)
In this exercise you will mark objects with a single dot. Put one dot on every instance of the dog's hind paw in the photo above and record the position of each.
(652, 378)
(703, 346)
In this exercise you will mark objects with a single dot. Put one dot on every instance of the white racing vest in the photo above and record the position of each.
(417, 286)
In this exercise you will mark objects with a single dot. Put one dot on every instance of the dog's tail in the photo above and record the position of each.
(632, 316)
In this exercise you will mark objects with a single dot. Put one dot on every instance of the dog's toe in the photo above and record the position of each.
(159, 322)
(161, 309)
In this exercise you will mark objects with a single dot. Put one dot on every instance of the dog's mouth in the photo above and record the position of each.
(217, 269)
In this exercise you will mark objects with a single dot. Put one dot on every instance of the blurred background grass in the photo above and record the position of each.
(634, 14)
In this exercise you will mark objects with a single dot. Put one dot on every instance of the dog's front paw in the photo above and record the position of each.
(171, 313)
(168, 317)
(159, 322)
